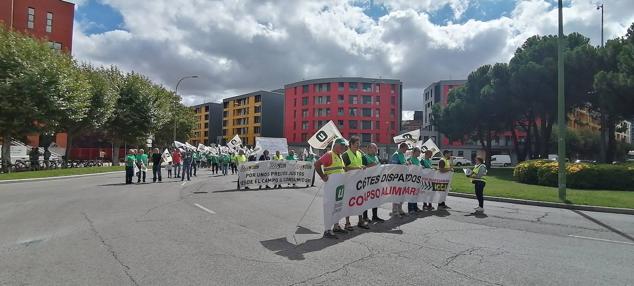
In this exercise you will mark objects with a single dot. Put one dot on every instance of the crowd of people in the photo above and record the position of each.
(346, 156)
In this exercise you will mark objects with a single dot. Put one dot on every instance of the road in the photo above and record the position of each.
(98, 231)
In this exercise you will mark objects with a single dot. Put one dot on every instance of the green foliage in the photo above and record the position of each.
(578, 175)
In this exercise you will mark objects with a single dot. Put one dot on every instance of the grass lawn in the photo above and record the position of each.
(59, 172)
(500, 183)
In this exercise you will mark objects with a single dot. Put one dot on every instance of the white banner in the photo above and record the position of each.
(235, 142)
(411, 137)
(352, 193)
(271, 144)
(324, 136)
(262, 173)
(429, 145)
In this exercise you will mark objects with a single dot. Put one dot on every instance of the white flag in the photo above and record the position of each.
(411, 136)
(235, 142)
(429, 145)
(167, 157)
(179, 144)
(190, 147)
(325, 136)
(201, 147)
(310, 150)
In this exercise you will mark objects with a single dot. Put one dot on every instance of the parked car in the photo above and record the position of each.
(585, 161)
(500, 161)
(630, 156)
(460, 161)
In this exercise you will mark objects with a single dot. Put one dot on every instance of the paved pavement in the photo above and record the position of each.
(98, 231)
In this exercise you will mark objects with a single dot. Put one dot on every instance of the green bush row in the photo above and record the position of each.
(578, 175)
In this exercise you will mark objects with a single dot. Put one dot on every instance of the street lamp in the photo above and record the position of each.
(601, 7)
(176, 91)
(561, 119)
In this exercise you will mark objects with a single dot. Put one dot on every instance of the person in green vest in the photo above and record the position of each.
(130, 161)
(233, 163)
(398, 158)
(278, 157)
(426, 163)
(478, 178)
(195, 162)
(444, 166)
(291, 156)
(332, 163)
(353, 160)
(208, 158)
(214, 164)
(412, 208)
(142, 163)
(371, 159)
(225, 160)
(240, 158)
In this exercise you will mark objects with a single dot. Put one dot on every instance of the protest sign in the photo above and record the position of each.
(324, 136)
(271, 144)
(167, 157)
(262, 173)
(352, 193)
(235, 142)
(429, 145)
(411, 137)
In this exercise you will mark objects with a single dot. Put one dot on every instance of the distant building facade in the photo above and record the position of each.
(251, 115)
(208, 127)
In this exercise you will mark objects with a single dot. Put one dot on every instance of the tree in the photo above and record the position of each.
(133, 115)
(185, 120)
(38, 88)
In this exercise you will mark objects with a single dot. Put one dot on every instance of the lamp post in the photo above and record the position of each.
(600, 6)
(176, 91)
(561, 116)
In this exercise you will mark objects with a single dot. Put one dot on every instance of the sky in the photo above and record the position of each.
(240, 46)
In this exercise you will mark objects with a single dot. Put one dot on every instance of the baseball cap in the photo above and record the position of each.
(341, 141)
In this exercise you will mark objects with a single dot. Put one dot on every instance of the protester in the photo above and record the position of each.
(265, 156)
(214, 164)
(157, 158)
(479, 181)
(241, 158)
(169, 169)
(142, 163)
(426, 163)
(278, 157)
(353, 160)
(233, 164)
(332, 164)
(371, 159)
(291, 156)
(176, 162)
(47, 157)
(195, 162)
(225, 160)
(130, 162)
(187, 165)
(208, 159)
(413, 160)
(34, 157)
(444, 165)
(101, 157)
(399, 158)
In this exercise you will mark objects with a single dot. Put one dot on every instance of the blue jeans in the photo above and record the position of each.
(186, 171)
(225, 168)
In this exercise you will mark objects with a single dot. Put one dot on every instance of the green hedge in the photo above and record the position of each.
(578, 175)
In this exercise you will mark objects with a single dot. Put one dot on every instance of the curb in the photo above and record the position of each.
(549, 204)
(54, 178)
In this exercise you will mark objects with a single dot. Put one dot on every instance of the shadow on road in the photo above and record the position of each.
(282, 247)
(594, 220)
(477, 215)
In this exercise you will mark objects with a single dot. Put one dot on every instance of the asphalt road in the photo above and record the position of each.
(98, 231)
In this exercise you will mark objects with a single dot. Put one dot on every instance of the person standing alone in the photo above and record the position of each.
(479, 181)
(157, 158)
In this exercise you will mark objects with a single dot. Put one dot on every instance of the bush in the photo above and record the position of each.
(578, 175)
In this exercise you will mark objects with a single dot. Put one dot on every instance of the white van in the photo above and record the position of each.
(500, 161)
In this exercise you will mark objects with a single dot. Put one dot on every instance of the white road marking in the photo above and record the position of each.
(183, 183)
(205, 209)
(601, 239)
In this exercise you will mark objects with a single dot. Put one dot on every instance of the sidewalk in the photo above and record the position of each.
(55, 178)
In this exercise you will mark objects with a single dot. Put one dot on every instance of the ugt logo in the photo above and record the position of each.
(234, 142)
(321, 136)
(408, 136)
(339, 193)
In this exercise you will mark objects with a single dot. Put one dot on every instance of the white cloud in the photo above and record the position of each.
(241, 46)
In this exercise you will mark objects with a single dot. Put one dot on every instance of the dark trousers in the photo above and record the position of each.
(141, 174)
(187, 168)
(214, 168)
(129, 173)
(156, 172)
(234, 168)
(375, 213)
(195, 166)
(412, 206)
(479, 190)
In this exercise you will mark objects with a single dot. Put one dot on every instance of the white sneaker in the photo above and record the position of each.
(479, 209)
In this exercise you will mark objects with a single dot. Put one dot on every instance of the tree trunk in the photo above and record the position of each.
(6, 152)
(520, 154)
(115, 153)
(548, 131)
(69, 145)
(488, 150)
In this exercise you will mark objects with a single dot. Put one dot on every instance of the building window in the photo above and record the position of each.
(206, 133)
(460, 153)
(393, 100)
(367, 87)
(366, 112)
(257, 109)
(322, 100)
(353, 124)
(340, 99)
(304, 100)
(366, 124)
(377, 99)
(256, 119)
(322, 87)
(206, 116)
(225, 105)
(49, 22)
(304, 125)
(206, 125)
(352, 86)
(305, 89)
(392, 113)
(340, 123)
(224, 132)
(353, 99)
(377, 125)
(224, 123)
(55, 46)
(256, 129)
(207, 108)
(377, 88)
(354, 112)
(340, 111)
(366, 99)
(366, 137)
(392, 88)
(294, 102)
(304, 113)
(30, 18)
(377, 113)
(258, 98)
(340, 88)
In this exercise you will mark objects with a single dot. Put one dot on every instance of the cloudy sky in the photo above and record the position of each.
(238, 46)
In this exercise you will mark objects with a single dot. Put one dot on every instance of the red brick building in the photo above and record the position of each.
(367, 107)
(45, 19)
(49, 20)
